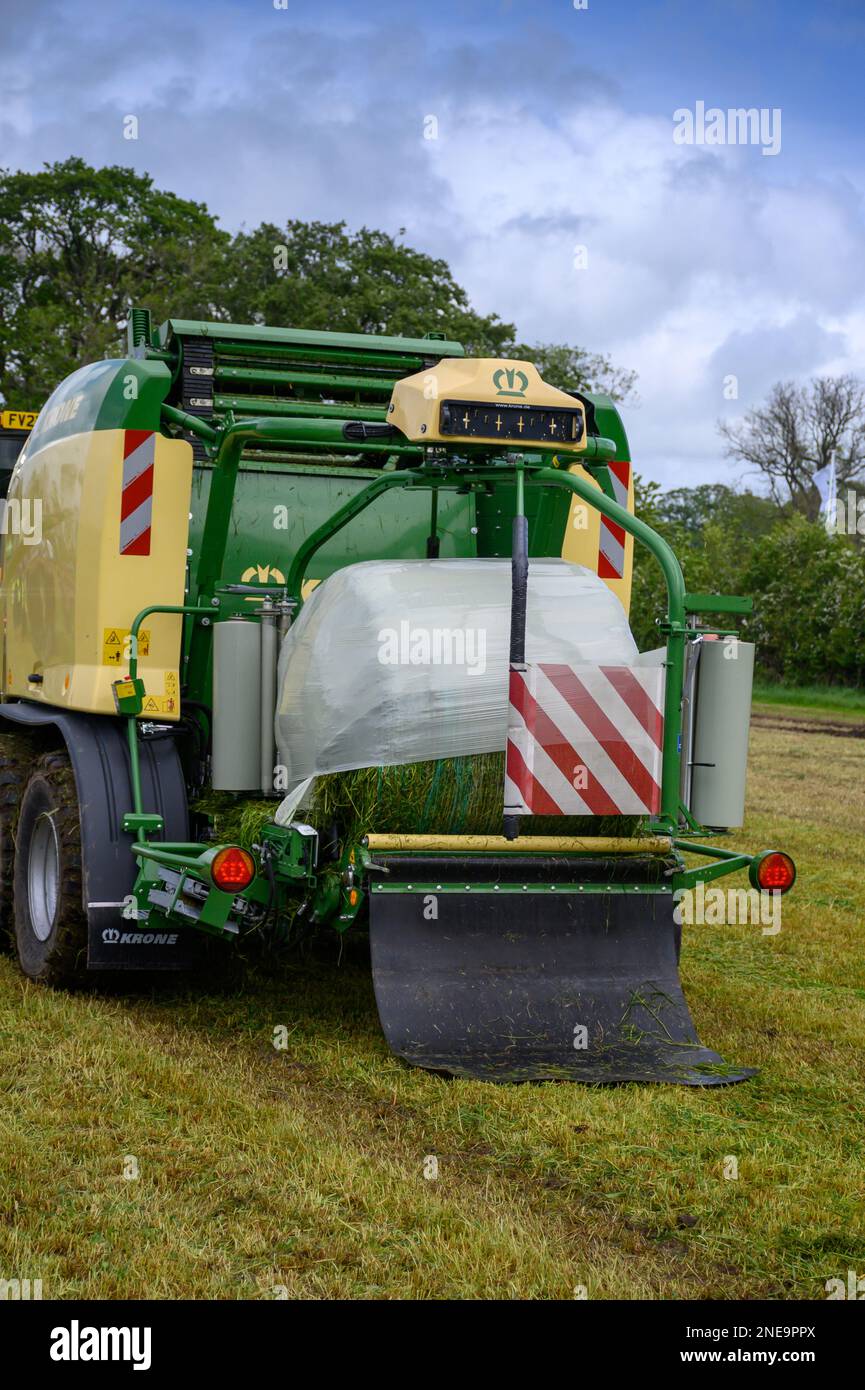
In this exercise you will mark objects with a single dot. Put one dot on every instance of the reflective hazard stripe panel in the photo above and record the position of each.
(611, 547)
(585, 740)
(136, 498)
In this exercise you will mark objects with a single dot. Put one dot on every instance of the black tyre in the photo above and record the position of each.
(15, 761)
(50, 920)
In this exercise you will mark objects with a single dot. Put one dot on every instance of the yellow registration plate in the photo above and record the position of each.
(17, 419)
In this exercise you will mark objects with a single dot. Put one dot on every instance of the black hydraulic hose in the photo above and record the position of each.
(519, 589)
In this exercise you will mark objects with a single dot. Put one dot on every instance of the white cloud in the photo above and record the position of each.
(698, 265)
(701, 261)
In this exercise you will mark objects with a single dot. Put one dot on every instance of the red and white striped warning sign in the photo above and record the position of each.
(585, 740)
(136, 498)
(611, 546)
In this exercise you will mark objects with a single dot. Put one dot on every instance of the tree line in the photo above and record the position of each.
(79, 245)
(807, 583)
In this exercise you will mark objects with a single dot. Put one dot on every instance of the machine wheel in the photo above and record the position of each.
(50, 921)
(15, 760)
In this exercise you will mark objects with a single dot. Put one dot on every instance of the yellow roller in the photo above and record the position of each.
(525, 844)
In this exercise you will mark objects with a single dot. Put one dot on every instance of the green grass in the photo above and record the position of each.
(465, 794)
(303, 1170)
(809, 699)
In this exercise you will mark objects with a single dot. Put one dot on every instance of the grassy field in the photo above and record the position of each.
(265, 1173)
(828, 701)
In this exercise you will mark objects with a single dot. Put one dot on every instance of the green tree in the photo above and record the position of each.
(694, 508)
(808, 622)
(77, 244)
(648, 592)
(713, 531)
(797, 432)
(320, 275)
(575, 369)
(809, 618)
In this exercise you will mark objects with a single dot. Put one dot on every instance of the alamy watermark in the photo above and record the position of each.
(22, 517)
(737, 126)
(20, 1290)
(725, 907)
(845, 516)
(852, 1287)
(77, 1343)
(434, 646)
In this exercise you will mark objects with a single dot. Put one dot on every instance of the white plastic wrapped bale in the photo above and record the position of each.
(393, 662)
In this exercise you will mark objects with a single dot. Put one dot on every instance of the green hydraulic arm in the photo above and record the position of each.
(226, 447)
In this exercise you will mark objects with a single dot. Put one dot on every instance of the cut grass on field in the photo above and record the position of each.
(303, 1170)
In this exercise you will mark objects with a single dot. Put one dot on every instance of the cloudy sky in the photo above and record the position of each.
(554, 186)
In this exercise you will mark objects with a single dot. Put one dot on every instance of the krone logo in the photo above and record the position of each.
(261, 573)
(510, 375)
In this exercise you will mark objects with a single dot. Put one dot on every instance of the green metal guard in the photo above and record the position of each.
(227, 447)
(140, 822)
(674, 627)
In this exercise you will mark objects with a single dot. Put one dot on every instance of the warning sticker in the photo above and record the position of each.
(169, 703)
(171, 698)
(116, 646)
(159, 704)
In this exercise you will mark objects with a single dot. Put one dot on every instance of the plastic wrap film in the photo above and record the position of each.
(394, 662)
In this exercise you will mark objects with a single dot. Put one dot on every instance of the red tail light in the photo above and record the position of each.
(232, 869)
(774, 872)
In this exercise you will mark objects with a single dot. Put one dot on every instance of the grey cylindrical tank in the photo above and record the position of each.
(720, 747)
(269, 643)
(236, 763)
(693, 647)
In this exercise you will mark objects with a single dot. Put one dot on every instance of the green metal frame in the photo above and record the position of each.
(674, 628)
(334, 889)
(228, 446)
(332, 895)
(308, 365)
(726, 861)
(138, 821)
(364, 347)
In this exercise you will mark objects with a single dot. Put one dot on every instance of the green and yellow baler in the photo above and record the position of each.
(221, 513)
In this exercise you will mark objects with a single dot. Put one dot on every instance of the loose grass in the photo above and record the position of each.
(463, 796)
(262, 1170)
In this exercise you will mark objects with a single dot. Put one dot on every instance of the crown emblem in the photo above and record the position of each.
(511, 375)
